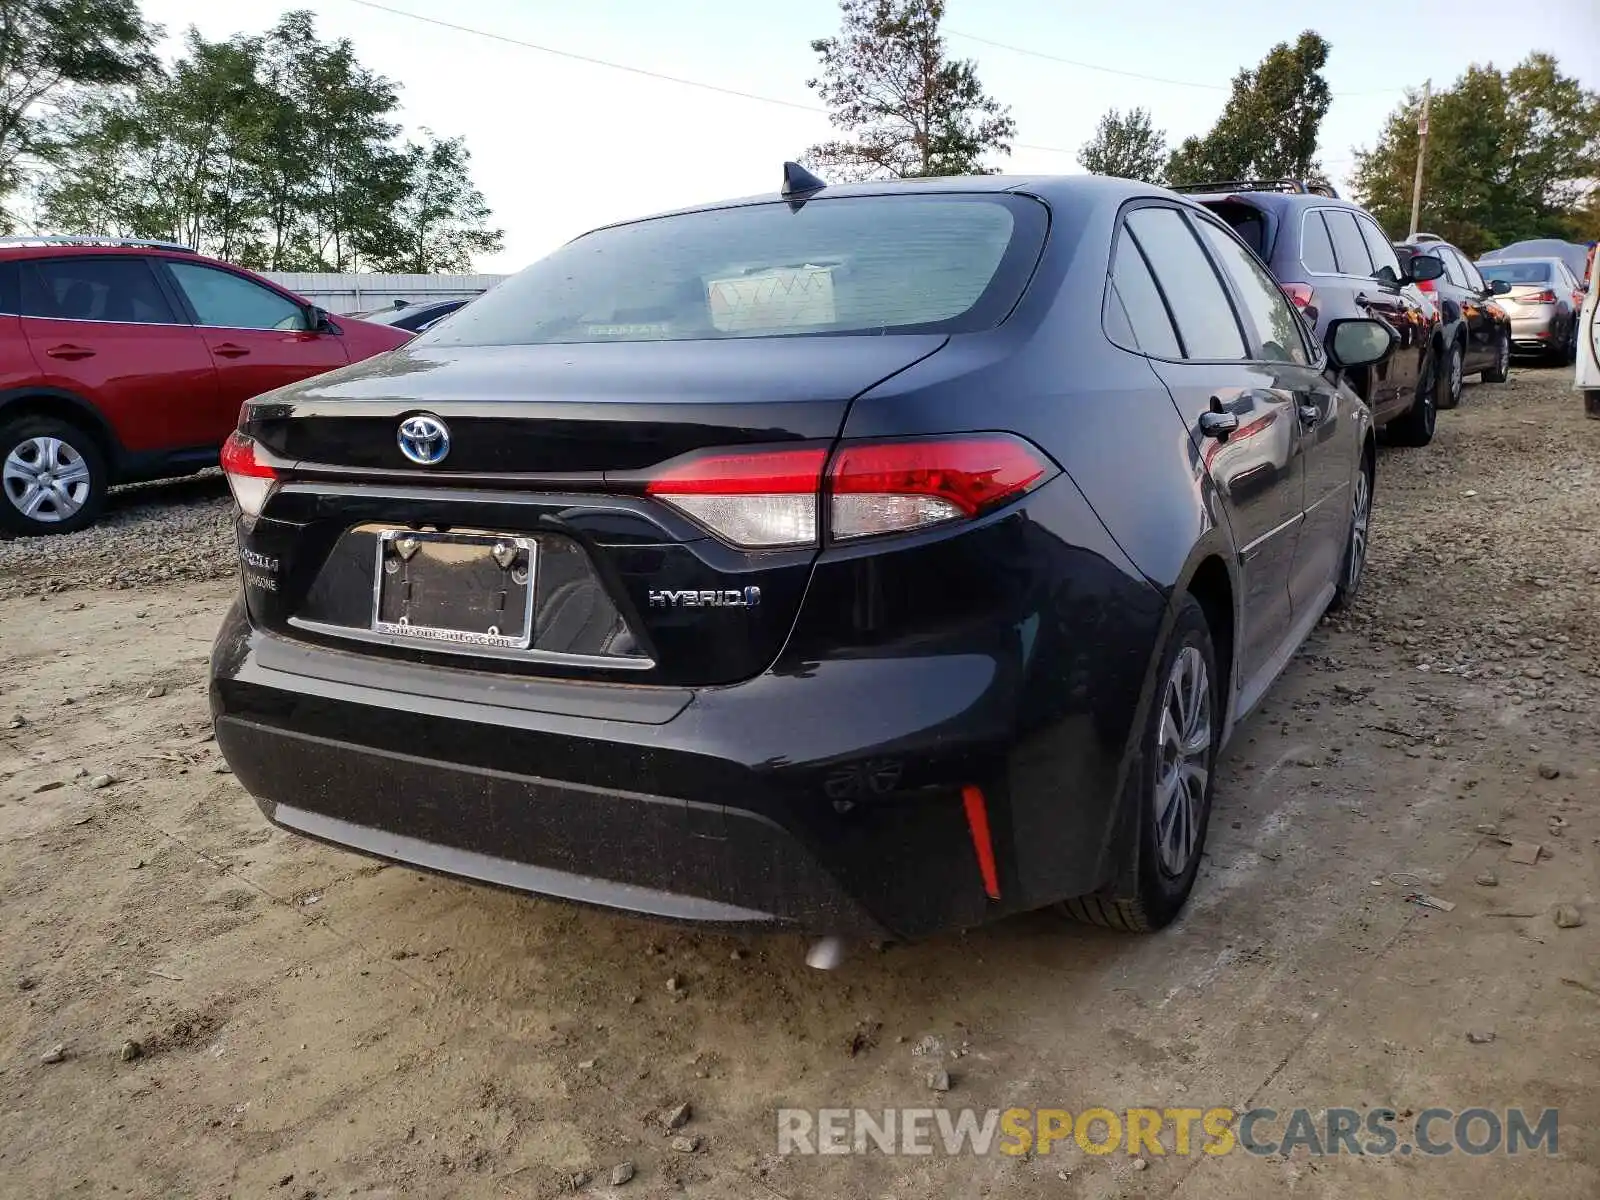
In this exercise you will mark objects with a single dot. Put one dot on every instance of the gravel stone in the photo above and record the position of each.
(621, 1173)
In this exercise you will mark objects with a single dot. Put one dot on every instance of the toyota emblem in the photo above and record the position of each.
(424, 439)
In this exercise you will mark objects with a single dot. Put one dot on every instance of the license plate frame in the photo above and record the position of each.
(405, 556)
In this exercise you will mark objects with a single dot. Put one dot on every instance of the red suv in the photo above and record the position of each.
(123, 361)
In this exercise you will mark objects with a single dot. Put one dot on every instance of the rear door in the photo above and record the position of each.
(103, 328)
(1329, 423)
(1475, 311)
(257, 336)
(1186, 324)
(1393, 382)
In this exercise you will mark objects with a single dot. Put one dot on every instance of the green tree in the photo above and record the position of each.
(48, 47)
(175, 156)
(274, 150)
(1126, 146)
(908, 110)
(1268, 128)
(442, 219)
(1511, 155)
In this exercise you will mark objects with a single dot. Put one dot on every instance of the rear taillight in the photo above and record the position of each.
(1300, 293)
(771, 499)
(890, 487)
(1545, 297)
(250, 478)
(757, 499)
(1427, 285)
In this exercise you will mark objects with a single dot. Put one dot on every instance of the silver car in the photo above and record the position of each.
(1543, 304)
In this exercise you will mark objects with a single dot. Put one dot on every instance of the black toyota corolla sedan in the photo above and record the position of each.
(867, 560)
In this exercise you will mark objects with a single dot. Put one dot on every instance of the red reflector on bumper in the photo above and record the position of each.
(978, 825)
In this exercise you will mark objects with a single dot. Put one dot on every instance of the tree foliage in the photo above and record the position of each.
(48, 47)
(275, 150)
(908, 110)
(441, 221)
(1126, 146)
(1511, 155)
(1269, 126)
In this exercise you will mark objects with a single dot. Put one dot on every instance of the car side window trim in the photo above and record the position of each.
(164, 269)
(1340, 274)
(1161, 288)
(21, 266)
(1252, 341)
(1112, 293)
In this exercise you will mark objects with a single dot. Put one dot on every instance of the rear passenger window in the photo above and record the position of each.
(1276, 326)
(1316, 247)
(1378, 247)
(1348, 247)
(1135, 293)
(1204, 315)
(94, 289)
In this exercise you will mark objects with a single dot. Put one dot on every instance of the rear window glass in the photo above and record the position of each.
(864, 264)
(1531, 272)
(1247, 222)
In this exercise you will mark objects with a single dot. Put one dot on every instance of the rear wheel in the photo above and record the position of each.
(1452, 376)
(1355, 548)
(52, 477)
(1169, 785)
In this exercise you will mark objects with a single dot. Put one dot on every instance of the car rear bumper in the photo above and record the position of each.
(824, 795)
(1534, 330)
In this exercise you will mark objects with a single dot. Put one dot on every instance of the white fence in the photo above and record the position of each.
(345, 294)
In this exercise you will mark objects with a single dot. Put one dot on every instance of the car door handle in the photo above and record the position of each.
(70, 353)
(1219, 425)
(229, 350)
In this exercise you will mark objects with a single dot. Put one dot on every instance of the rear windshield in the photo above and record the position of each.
(1515, 272)
(866, 264)
(1247, 222)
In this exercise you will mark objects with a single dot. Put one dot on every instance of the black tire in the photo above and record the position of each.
(72, 506)
(1415, 426)
(1354, 564)
(1451, 375)
(1157, 892)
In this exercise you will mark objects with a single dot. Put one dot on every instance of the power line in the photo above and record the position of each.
(584, 58)
(1089, 66)
(616, 66)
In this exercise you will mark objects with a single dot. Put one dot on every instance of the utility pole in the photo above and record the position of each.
(1422, 155)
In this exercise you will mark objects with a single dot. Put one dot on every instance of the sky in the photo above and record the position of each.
(561, 145)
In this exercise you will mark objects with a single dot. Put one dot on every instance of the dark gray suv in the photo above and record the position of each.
(1334, 262)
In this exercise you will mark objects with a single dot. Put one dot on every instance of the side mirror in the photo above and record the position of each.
(1498, 287)
(1386, 276)
(1359, 341)
(1424, 267)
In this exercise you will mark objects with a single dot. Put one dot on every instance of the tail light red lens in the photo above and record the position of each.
(758, 499)
(1299, 293)
(1427, 285)
(250, 478)
(890, 487)
(771, 499)
(1545, 297)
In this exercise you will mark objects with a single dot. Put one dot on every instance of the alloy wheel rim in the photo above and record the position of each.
(46, 479)
(1455, 371)
(1183, 751)
(1502, 357)
(1360, 523)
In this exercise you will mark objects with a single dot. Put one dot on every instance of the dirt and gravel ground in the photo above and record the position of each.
(309, 1023)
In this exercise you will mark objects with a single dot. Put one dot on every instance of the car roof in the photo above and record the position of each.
(76, 249)
(1275, 200)
(1095, 188)
(1529, 258)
